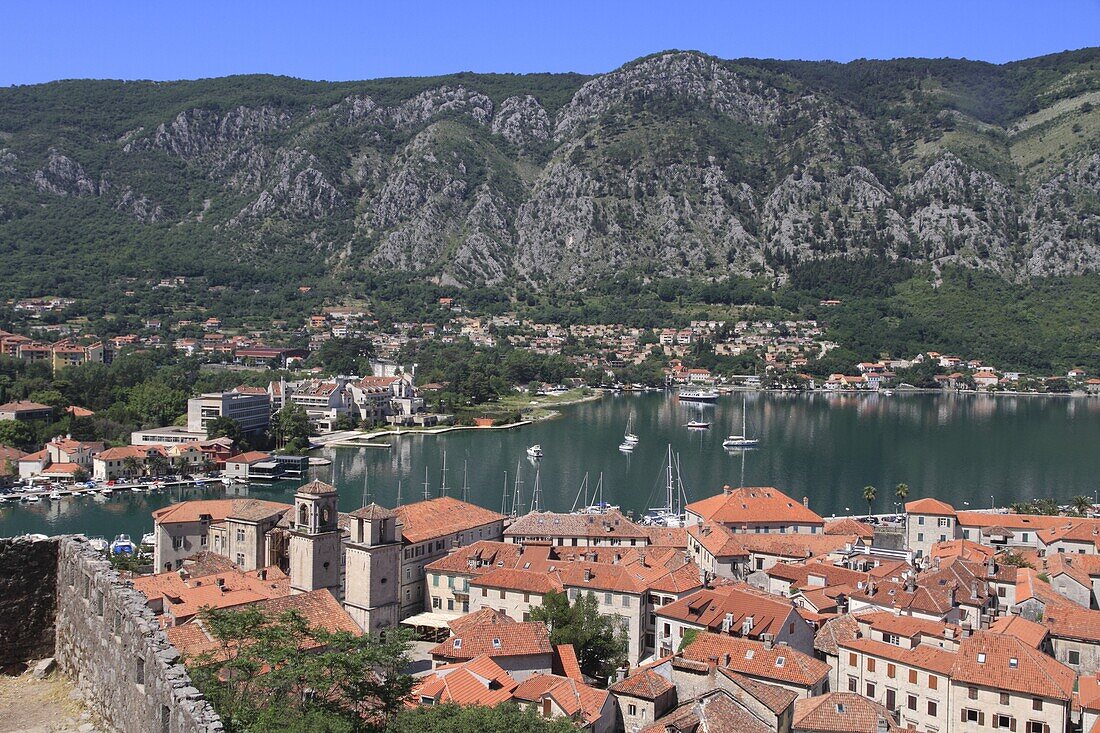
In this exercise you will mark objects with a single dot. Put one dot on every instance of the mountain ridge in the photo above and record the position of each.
(676, 164)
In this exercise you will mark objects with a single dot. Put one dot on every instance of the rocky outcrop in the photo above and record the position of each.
(63, 176)
(1064, 221)
(522, 121)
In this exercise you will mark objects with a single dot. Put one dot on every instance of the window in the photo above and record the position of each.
(853, 684)
(632, 709)
(177, 543)
(435, 581)
(912, 676)
(139, 670)
(890, 671)
(852, 659)
(871, 690)
(1004, 698)
(240, 558)
(972, 693)
(626, 601)
(1037, 703)
(501, 593)
(944, 522)
(920, 536)
(911, 702)
(1074, 657)
(892, 639)
(203, 540)
(607, 599)
(920, 521)
(1013, 663)
(870, 666)
(240, 535)
(969, 715)
(933, 682)
(932, 708)
(891, 698)
(1004, 721)
(1034, 726)
(437, 603)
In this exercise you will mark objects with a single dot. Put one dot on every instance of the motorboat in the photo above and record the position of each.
(99, 544)
(697, 394)
(535, 451)
(123, 545)
(697, 425)
(55, 496)
(32, 498)
(226, 481)
(148, 539)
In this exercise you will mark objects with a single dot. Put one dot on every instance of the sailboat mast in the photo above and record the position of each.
(443, 478)
(517, 494)
(668, 486)
(427, 491)
(582, 490)
(536, 497)
(504, 497)
(465, 482)
(398, 492)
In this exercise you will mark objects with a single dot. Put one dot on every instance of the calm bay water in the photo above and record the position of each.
(961, 448)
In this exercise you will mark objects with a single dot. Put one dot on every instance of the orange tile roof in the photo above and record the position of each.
(645, 684)
(1008, 521)
(216, 509)
(478, 558)
(565, 662)
(923, 656)
(480, 681)
(573, 697)
(966, 549)
(526, 581)
(797, 546)
(558, 524)
(710, 607)
(319, 608)
(1067, 622)
(841, 712)
(521, 638)
(850, 526)
(1010, 664)
(716, 711)
(445, 515)
(250, 457)
(754, 505)
(717, 539)
(482, 618)
(752, 659)
(929, 505)
(1029, 632)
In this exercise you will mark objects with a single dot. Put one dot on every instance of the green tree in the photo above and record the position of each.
(344, 356)
(450, 718)
(17, 433)
(292, 427)
(156, 404)
(901, 491)
(132, 466)
(225, 427)
(262, 663)
(598, 640)
(1081, 505)
(870, 493)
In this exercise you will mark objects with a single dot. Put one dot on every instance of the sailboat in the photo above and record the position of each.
(742, 440)
(598, 505)
(671, 514)
(630, 437)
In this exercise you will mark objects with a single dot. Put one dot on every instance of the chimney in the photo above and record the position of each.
(881, 726)
(262, 574)
(726, 489)
(767, 639)
(966, 628)
(746, 626)
(806, 501)
(991, 567)
(727, 659)
(587, 574)
(948, 633)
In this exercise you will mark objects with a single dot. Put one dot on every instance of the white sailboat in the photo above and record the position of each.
(742, 440)
(630, 438)
(671, 513)
(598, 505)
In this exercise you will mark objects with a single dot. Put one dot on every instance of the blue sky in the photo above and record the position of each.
(158, 39)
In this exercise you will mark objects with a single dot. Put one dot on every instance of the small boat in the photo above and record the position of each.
(122, 545)
(226, 481)
(107, 491)
(697, 394)
(55, 496)
(98, 544)
(697, 425)
(626, 447)
(137, 489)
(32, 498)
(148, 539)
(535, 451)
(888, 392)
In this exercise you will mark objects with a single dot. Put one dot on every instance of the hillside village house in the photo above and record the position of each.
(756, 509)
(26, 411)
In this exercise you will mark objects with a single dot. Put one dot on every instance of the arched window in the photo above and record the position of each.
(325, 515)
(303, 515)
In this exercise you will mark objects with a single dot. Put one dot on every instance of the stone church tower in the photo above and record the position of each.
(373, 568)
(315, 540)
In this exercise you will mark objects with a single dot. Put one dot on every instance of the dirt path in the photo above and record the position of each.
(29, 705)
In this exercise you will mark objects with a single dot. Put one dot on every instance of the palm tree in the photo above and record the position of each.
(870, 493)
(132, 466)
(1081, 505)
(901, 491)
(158, 465)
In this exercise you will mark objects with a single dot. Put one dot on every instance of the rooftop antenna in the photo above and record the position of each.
(465, 482)
(427, 490)
(443, 471)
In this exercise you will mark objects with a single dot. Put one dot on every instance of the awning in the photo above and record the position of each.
(430, 619)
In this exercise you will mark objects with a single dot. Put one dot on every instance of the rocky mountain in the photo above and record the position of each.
(676, 164)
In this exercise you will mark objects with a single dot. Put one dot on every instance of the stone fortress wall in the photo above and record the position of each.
(60, 598)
